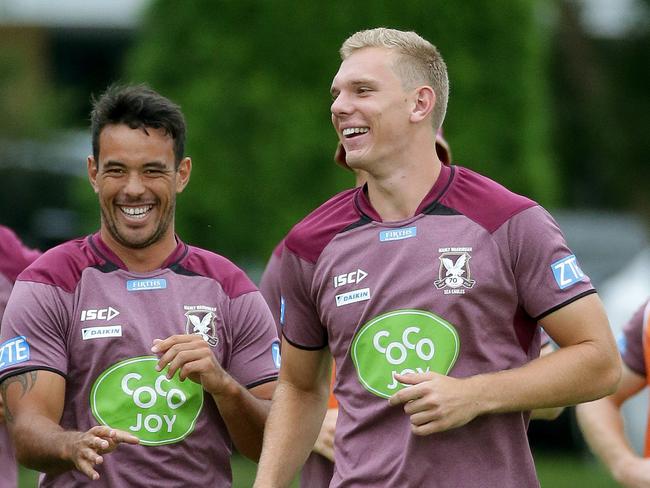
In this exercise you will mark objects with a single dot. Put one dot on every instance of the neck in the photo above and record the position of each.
(396, 193)
(145, 259)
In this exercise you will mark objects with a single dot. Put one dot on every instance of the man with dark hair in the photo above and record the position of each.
(14, 257)
(428, 286)
(102, 333)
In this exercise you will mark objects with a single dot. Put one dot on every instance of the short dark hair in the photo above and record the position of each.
(139, 107)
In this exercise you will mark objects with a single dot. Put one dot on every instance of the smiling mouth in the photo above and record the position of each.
(136, 212)
(351, 132)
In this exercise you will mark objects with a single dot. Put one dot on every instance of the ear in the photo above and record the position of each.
(423, 103)
(184, 170)
(93, 169)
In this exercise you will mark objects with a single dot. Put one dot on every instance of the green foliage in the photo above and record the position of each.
(253, 79)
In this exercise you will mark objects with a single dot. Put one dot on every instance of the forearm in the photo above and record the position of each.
(602, 426)
(41, 444)
(245, 416)
(569, 376)
(294, 422)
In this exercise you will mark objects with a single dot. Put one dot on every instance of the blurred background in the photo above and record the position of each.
(548, 97)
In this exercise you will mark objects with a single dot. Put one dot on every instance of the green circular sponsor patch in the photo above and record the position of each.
(132, 396)
(402, 341)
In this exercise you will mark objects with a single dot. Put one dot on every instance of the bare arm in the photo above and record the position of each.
(296, 415)
(243, 411)
(33, 408)
(586, 367)
(602, 426)
(324, 444)
(550, 413)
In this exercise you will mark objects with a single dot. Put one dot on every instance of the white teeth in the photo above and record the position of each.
(354, 130)
(137, 212)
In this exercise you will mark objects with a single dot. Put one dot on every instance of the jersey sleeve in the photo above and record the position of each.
(270, 288)
(34, 328)
(630, 342)
(255, 357)
(301, 325)
(546, 272)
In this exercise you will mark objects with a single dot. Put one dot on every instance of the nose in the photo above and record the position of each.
(340, 105)
(134, 184)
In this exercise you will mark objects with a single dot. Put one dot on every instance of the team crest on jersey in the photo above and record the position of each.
(454, 275)
(202, 320)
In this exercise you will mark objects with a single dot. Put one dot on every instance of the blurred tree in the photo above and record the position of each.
(602, 113)
(253, 79)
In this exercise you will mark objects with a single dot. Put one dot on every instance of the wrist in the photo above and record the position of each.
(621, 466)
(227, 388)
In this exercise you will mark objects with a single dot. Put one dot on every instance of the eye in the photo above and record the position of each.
(113, 171)
(363, 90)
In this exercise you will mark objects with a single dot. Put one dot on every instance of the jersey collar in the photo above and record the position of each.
(104, 252)
(437, 191)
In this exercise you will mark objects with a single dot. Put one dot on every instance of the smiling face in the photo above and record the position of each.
(370, 109)
(136, 181)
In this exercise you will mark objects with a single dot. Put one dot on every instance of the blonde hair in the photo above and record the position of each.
(419, 62)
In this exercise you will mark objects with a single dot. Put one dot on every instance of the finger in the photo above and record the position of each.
(405, 395)
(414, 378)
(206, 368)
(162, 345)
(87, 469)
(125, 437)
(99, 444)
(418, 405)
(88, 458)
(171, 354)
(190, 361)
(100, 431)
(423, 418)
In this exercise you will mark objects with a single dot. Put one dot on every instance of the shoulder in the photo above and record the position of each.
(14, 255)
(312, 234)
(483, 200)
(63, 265)
(201, 262)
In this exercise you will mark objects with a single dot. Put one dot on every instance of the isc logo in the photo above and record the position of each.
(349, 278)
(99, 314)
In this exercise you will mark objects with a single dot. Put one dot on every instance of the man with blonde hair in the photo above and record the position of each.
(428, 285)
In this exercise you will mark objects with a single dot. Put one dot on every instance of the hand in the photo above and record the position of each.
(325, 442)
(435, 402)
(87, 447)
(634, 472)
(193, 358)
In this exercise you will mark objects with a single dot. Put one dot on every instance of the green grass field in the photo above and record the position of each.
(560, 469)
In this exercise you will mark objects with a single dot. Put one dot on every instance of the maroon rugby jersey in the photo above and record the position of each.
(14, 257)
(631, 342)
(457, 289)
(317, 470)
(79, 312)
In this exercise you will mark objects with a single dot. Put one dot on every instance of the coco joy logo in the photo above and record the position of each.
(132, 396)
(402, 341)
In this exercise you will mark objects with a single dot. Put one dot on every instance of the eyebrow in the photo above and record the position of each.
(355, 83)
(149, 164)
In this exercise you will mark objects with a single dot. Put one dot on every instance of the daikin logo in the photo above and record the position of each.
(353, 297)
(101, 332)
